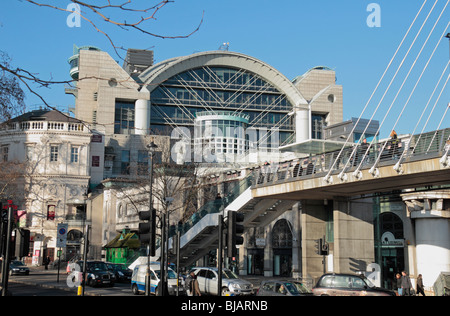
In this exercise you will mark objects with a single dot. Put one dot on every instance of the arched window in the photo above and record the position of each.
(282, 235)
(390, 222)
(74, 236)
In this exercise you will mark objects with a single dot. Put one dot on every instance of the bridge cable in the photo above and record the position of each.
(341, 175)
(442, 119)
(327, 177)
(397, 166)
(372, 170)
(434, 106)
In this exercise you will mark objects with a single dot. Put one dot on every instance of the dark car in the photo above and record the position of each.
(97, 274)
(17, 267)
(282, 288)
(334, 284)
(121, 272)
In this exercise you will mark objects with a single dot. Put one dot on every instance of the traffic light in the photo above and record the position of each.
(235, 229)
(321, 247)
(147, 229)
(324, 248)
(318, 246)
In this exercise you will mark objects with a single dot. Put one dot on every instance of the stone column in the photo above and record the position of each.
(353, 235)
(430, 212)
(313, 222)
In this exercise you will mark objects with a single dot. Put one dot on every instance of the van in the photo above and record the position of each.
(138, 280)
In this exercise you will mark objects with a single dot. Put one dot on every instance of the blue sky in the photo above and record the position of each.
(291, 35)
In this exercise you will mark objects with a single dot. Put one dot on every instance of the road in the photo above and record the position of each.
(42, 282)
(20, 289)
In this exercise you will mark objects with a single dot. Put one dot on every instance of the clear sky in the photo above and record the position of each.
(291, 35)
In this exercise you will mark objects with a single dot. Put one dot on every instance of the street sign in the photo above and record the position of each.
(61, 239)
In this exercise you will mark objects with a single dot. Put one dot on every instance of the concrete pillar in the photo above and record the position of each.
(268, 254)
(142, 117)
(313, 223)
(431, 216)
(353, 235)
(302, 124)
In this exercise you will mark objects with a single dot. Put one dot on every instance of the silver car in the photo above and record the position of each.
(231, 284)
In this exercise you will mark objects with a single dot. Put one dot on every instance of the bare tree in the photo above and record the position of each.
(126, 15)
(181, 183)
(136, 16)
(11, 94)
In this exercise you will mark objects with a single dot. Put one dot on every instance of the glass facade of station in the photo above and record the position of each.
(176, 101)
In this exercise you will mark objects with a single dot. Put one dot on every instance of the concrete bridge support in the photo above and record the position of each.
(348, 227)
(353, 235)
(430, 213)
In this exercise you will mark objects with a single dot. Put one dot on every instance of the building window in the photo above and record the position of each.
(95, 161)
(54, 149)
(4, 153)
(317, 125)
(124, 118)
(143, 162)
(74, 154)
(125, 165)
(51, 211)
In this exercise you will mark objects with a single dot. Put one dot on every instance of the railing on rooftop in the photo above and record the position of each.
(44, 126)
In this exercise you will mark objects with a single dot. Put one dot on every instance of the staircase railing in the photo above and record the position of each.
(213, 207)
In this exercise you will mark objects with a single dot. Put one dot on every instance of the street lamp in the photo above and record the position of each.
(151, 152)
(86, 242)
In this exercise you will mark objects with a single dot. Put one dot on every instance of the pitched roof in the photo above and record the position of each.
(124, 240)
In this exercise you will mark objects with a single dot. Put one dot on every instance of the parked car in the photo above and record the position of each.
(138, 280)
(97, 274)
(121, 272)
(283, 288)
(231, 283)
(18, 267)
(334, 284)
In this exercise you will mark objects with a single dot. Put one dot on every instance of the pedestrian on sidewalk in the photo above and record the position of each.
(398, 279)
(46, 262)
(407, 289)
(194, 289)
(420, 289)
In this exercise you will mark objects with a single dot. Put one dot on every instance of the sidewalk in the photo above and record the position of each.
(44, 278)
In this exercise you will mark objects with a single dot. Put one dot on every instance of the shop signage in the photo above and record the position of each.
(388, 240)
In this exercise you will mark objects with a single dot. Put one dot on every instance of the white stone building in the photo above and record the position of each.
(55, 155)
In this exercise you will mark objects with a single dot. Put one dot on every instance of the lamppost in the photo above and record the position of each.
(151, 152)
(164, 246)
(86, 242)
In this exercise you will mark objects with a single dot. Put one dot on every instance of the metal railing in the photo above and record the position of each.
(213, 207)
(357, 157)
